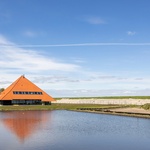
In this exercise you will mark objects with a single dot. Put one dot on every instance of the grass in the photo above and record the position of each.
(108, 97)
(77, 107)
(55, 107)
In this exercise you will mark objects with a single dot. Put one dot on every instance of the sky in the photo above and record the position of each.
(76, 48)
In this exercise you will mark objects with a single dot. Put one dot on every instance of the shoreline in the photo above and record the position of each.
(119, 110)
(146, 116)
(124, 111)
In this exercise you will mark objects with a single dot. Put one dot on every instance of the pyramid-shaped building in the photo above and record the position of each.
(24, 92)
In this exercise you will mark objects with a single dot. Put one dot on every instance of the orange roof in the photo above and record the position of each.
(22, 84)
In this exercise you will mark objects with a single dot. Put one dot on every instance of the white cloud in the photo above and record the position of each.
(31, 61)
(131, 33)
(85, 80)
(4, 41)
(95, 20)
(22, 60)
(97, 93)
(63, 78)
(78, 60)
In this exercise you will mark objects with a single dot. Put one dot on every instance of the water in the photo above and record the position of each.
(68, 130)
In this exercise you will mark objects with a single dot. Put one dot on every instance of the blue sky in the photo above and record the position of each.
(77, 48)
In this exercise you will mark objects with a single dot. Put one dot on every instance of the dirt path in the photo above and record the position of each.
(132, 110)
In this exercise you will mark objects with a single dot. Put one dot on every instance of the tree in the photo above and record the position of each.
(1, 90)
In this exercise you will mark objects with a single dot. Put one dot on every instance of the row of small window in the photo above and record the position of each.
(26, 101)
(27, 93)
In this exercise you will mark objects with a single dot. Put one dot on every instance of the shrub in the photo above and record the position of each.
(146, 106)
(1, 90)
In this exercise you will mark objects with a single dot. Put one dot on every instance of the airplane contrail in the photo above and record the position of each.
(78, 45)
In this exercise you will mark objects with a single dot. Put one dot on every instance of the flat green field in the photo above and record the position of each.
(55, 107)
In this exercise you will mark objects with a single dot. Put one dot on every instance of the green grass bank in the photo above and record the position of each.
(56, 107)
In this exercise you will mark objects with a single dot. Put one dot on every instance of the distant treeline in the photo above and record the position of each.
(108, 97)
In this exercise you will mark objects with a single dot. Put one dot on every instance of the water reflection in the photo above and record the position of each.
(24, 123)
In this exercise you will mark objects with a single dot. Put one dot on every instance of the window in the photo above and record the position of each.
(27, 92)
(39, 93)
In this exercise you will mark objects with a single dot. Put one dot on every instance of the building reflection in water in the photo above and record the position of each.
(25, 123)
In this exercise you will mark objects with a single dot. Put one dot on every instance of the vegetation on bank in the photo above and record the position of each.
(56, 107)
(107, 97)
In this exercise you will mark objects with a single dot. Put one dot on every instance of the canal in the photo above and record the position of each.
(62, 130)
